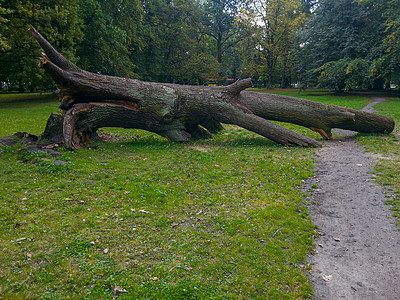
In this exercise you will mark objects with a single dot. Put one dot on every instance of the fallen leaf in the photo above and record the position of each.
(173, 225)
(119, 289)
(154, 278)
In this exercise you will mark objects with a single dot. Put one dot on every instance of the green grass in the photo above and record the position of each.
(216, 219)
(223, 218)
(25, 112)
(387, 150)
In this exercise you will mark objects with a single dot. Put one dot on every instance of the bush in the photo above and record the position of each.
(345, 74)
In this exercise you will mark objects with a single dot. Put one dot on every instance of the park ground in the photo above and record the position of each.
(138, 217)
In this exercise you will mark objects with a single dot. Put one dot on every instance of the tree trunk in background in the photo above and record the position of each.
(90, 101)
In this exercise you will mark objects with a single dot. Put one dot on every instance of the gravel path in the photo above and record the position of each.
(358, 250)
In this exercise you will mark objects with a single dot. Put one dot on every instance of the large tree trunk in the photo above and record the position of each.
(90, 101)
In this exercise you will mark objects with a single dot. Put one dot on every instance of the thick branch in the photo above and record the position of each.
(52, 53)
(239, 86)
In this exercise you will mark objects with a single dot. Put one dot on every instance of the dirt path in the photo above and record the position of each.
(358, 252)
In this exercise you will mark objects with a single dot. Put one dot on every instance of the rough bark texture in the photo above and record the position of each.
(90, 101)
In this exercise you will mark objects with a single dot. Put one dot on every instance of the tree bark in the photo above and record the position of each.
(90, 101)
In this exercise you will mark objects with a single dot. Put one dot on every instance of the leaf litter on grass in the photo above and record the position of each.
(212, 213)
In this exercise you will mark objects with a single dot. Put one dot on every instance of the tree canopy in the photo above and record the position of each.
(344, 45)
(341, 44)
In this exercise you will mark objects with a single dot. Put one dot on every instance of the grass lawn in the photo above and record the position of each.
(387, 149)
(217, 219)
(25, 112)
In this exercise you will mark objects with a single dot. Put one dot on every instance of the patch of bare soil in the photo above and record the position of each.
(358, 251)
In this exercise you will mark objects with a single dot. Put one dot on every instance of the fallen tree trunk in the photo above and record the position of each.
(90, 101)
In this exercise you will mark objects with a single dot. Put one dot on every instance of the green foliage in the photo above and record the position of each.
(57, 20)
(219, 24)
(272, 25)
(110, 29)
(3, 41)
(388, 66)
(345, 74)
(197, 68)
(307, 6)
(347, 30)
(173, 49)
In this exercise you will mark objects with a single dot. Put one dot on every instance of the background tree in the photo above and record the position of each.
(387, 67)
(3, 27)
(190, 41)
(219, 24)
(57, 19)
(341, 31)
(307, 6)
(111, 36)
(345, 74)
(273, 24)
(174, 49)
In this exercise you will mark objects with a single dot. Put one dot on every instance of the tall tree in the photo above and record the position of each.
(274, 23)
(219, 23)
(393, 40)
(387, 66)
(340, 30)
(173, 48)
(111, 36)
